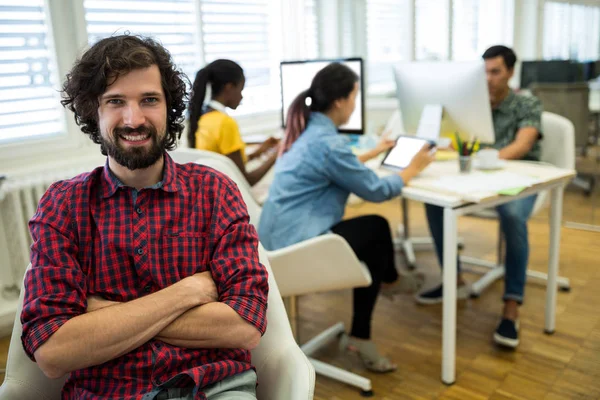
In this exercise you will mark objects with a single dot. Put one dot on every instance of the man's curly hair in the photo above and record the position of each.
(103, 63)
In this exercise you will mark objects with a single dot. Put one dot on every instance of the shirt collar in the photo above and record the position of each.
(504, 107)
(215, 105)
(169, 182)
(323, 121)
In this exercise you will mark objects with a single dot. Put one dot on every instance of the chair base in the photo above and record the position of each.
(496, 272)
(330, 371)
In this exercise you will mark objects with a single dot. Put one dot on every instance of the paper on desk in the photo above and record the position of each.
(471, 186)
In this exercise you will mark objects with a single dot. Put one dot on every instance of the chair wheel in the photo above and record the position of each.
(411, 267)
(367, 393)
(565, 289)
(461, 246)
(474, 295)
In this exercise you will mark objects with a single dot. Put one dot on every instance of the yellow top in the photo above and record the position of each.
(218, 132)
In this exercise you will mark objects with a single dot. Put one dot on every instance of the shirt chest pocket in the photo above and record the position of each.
(184, 253)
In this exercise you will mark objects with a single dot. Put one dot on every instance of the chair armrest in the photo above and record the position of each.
(286, 373)
(13, 388)
(319, 264)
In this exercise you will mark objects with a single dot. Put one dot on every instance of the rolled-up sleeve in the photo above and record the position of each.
(530, 114)
(242, 281)
(54, 286)
(347, 171)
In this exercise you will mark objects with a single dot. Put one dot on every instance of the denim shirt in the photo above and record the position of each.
(313, 180)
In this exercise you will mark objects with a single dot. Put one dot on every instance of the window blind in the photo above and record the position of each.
(29, 99)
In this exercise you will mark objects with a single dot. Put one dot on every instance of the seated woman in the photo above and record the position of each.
(315, 174)
(213, 130)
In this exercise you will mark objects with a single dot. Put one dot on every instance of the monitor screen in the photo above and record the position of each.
(551, 71)
(296, 76)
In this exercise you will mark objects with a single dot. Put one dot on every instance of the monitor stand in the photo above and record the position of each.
(430, 123)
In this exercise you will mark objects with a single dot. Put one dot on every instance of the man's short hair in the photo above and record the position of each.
(508, 55)
(107, 60)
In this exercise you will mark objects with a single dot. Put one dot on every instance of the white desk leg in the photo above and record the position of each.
(449, 316)
(556, 198)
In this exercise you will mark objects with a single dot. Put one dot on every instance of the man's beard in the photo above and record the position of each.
(135, 157)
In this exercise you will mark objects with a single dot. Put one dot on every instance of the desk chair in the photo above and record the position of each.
(283, 370)
(558, 149)
(328, 257)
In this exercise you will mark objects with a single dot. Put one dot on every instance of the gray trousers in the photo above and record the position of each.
(241, 386)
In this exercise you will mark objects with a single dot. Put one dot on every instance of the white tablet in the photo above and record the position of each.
(399, 156)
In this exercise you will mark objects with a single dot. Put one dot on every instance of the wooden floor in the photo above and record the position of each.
(565, 365)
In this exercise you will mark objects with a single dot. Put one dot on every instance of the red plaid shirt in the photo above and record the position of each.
(90, 239)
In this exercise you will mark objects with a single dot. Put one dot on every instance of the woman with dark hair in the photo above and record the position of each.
(212, 129)
(315, 174)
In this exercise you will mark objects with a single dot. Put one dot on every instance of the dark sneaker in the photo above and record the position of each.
(436, 295)
(507, 333)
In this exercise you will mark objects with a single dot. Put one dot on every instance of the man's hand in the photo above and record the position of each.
(95, 303)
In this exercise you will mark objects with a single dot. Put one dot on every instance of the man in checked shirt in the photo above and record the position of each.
(145, 280)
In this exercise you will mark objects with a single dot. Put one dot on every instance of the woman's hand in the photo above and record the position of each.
(419, 162)
(384, 144)
(264, 147)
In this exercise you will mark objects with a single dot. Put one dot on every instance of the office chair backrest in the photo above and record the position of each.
(225, 165)
(558, 144)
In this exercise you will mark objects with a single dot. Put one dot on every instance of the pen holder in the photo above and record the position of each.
(464, 163)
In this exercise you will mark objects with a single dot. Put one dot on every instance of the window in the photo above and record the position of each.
(479, 24)
(172, 22)
(311, 29)
(388, 40)
(29, 101)
(571, 31)
(248, 32)
(431, 29)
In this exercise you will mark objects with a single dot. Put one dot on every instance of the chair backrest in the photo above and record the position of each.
(225, 165)
(557, 148)
(558, 145)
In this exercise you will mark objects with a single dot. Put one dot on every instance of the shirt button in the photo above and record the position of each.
(140, 251)
(138, 210)
(148, 288)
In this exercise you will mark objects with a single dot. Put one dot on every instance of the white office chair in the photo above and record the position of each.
(328, 257)
(558, 149)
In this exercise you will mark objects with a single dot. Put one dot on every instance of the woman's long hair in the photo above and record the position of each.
(218, 73)
(332, 83)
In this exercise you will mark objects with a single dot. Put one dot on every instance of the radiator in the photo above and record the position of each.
(19, 197)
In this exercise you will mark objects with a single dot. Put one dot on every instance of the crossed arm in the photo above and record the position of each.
(185, 314)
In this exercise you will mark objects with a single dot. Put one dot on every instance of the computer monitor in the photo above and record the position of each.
(590, 71)
(550, 71)
(459, 87)
(296, 76)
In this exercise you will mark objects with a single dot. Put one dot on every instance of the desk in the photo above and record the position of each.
(551, 178)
